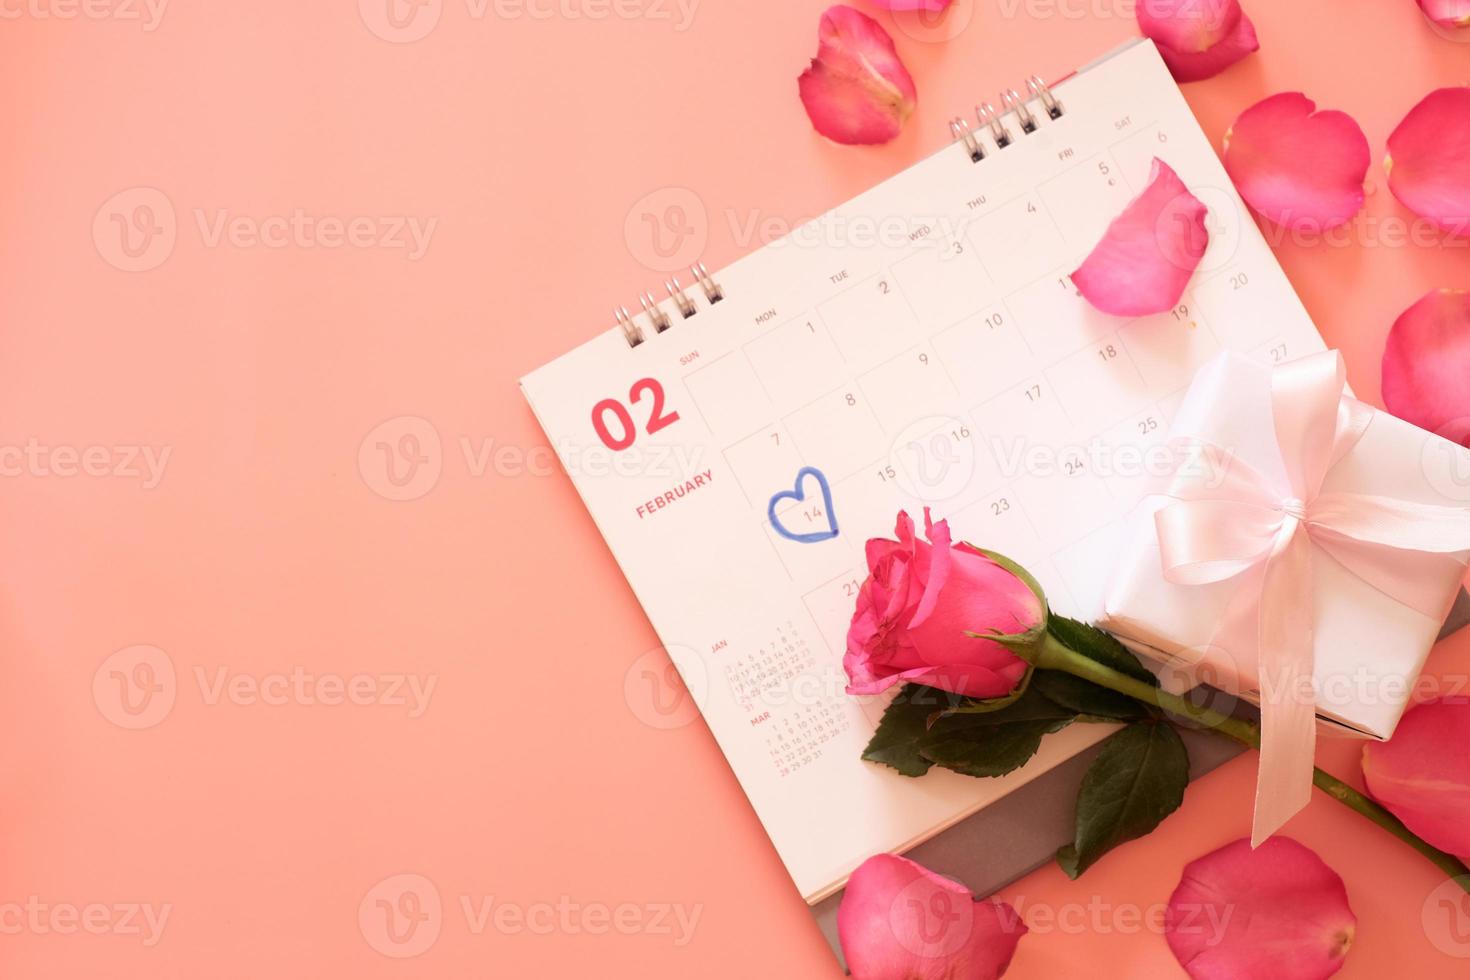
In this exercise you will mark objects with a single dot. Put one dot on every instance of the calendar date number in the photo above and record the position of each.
(622, 417)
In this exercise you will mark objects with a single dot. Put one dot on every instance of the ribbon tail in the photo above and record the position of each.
(1288, 695)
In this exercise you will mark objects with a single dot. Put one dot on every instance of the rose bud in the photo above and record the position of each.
(900, 921)
(921, 603)
(1422, 774)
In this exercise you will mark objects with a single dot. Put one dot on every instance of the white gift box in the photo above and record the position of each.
(1369, 648)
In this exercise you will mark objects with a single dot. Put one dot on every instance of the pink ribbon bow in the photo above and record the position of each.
(1266, 536)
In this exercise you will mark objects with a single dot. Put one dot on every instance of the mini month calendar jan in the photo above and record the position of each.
(765, 419)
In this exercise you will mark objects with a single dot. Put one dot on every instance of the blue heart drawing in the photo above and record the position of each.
(798, 494)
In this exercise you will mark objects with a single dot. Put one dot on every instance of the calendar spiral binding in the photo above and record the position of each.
(685, 306)
(992, 120)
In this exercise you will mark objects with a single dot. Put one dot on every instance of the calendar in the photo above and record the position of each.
(738, 441)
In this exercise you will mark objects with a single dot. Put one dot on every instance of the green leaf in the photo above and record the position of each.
(986, 750)
(1136, 781)
(1093, 643)
(1092, 701)
(904, 723)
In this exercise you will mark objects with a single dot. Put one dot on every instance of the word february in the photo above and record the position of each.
(649, 508)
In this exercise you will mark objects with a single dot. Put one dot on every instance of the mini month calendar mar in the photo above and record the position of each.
(765, 419)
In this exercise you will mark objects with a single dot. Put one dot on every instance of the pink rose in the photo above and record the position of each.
(918, 605)
(1422, 774)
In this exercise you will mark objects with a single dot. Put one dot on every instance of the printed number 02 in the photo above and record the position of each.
(657, 418)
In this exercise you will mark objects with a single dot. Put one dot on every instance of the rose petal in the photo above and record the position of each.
(1422, 774)
(1447, 13)
(1429, 159)
(1426, 365)
(856, 90)
(1273, 913)
(900, 920)
(1296, 166)
(1148, 253)
(1197, 38)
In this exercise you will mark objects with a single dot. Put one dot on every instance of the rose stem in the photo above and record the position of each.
(1052, 654)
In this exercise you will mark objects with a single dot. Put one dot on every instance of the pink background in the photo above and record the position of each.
(271, 544)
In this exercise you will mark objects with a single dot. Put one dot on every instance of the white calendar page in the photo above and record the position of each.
(920, 345)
